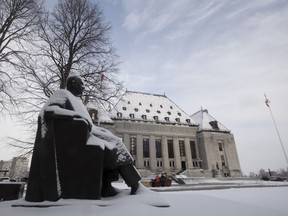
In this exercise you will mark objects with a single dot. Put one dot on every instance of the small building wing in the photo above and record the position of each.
(207, 122)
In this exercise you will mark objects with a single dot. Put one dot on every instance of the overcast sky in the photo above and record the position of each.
(219, 54)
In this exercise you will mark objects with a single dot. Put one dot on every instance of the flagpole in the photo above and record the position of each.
(267, 103)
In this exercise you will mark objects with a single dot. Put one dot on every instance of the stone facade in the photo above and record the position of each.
(217, 146)
(218, 153)
(161, 137)
(159, 156)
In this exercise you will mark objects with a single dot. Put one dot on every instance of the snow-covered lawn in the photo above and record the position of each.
(263, 201)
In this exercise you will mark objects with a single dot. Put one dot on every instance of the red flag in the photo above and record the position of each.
(101, 76)
(267, 101)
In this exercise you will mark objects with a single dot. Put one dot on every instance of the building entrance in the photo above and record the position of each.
(183, 165)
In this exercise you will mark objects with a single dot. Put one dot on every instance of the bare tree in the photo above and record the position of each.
(18, 19)
(74, 38)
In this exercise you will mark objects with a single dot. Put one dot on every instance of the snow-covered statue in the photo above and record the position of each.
(73, 158)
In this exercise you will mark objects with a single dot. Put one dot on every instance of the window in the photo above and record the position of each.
(193, 149)
(145, 147)
(144, 117)
(158, 145)
(223, 160)
(158, 111)
(170, 148)
(177, 120)
(166, 119)
(182, 148)
(179, 114)
(172, 163)
(195, 164)
(220, 145)
(226, 173)
(214, 125)
(156, 118)
(169, 113)
(132, 116)
(136, 109)
(119, 115)
(159, 163)
(146, 163)
(188, 121)
(133, 145)
(147, 110)
(124, 108)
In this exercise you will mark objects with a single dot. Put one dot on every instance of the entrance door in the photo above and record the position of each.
(183, 165)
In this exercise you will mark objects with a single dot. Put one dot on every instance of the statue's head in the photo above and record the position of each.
(75, 85)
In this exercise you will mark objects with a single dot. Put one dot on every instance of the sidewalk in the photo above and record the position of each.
(216, 184)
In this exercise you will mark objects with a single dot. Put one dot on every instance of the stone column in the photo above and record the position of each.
(126, 140)
(212, 153)
(139, 152)
(166, 165)
(152, 152)
(177, 158)
(188, 153)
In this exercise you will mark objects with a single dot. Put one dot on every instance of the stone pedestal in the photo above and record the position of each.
(11, 190)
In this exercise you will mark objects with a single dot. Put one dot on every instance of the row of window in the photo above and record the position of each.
(158, 146)
(196, 163)
(159, 163)
(156, 118)
(222, 158)
(223, 162)
(151, 105)
(148, 111)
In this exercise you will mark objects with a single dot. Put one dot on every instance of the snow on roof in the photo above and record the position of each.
(207, 122)
(102, 115)
(140, 106)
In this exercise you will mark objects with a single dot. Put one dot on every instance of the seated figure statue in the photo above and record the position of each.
(72, 158)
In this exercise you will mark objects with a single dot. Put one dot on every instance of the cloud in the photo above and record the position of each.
(222, 55)
(153, 16)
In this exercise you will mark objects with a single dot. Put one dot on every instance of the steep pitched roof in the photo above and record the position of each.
(138, 106)
(207, 122)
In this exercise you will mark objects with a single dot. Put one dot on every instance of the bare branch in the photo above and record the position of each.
(73, 38)
(18, 19)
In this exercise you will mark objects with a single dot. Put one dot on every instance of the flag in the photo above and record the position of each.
(101, 76)
(267, 101)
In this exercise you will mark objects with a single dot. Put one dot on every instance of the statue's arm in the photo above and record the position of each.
(57, 112)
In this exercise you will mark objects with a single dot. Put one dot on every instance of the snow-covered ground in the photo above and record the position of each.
(260, 201)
